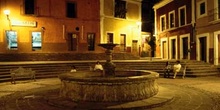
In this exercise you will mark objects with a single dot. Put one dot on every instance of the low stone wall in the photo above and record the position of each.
(126, 86)
(63, 56)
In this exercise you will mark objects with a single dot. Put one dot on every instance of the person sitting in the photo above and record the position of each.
(176, 68)
(98, 66)
(167, 69)
(73, 69)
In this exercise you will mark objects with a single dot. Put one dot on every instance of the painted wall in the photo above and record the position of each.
(52, 22)
(119, 26)
(162, 9)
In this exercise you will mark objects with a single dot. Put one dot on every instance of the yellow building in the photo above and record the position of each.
(121, 24)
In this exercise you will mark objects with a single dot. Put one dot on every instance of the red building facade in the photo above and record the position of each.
(49, 26)
(174, 29)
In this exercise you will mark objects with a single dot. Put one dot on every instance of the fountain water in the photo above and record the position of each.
(115, 86)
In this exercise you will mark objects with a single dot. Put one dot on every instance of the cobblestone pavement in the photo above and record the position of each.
(202, 93)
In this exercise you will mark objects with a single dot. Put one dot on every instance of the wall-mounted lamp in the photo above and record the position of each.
(43, 28)
(138, 24)
(7, 12)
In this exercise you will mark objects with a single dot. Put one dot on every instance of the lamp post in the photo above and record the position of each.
(7, 12)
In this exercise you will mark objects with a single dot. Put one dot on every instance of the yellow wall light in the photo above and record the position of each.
(139, 23)
(7, 12)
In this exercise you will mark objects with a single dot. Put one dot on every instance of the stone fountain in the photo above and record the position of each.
(114, 86)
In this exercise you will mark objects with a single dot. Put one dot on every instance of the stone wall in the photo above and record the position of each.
(63, 56)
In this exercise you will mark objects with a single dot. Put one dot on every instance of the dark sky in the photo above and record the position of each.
(148, 15)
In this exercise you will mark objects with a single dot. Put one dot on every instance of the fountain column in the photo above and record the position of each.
(109, 66)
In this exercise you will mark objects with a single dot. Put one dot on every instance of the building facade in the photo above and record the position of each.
(188, 29)
(174, 29)
(69, 26)
(49, 26)
(121, 24)
(208, 30)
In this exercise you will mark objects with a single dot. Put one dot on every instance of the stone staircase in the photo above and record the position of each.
(194, 68)
(49, 69)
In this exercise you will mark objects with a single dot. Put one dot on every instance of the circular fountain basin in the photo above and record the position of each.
(124, 86)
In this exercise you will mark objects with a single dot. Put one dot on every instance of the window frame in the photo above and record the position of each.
(75, 9)
(9, 46)
(179, 15)
(199, 15)
(39, 41)
(161, 22)
(120, 9)
(170, 24)
(25, 6)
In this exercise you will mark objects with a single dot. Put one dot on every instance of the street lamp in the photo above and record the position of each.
(7, 12)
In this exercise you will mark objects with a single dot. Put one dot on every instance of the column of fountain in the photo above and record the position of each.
(109, 66)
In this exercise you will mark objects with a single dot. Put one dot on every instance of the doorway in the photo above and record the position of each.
(72, 41)
(185, 47)
(135, 47)
(110, 38)
(91, 41)
(218, 37)
(202, 48)
(123, 42)
(164, 50)
(173, 49)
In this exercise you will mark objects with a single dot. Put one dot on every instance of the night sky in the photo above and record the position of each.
(148, 15)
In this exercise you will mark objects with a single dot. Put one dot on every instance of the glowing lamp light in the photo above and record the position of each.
(138, 23)
(6, 12)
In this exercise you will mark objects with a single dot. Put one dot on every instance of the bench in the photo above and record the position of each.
(21, 72)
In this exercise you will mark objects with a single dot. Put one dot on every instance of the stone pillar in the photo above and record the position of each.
(109, 66)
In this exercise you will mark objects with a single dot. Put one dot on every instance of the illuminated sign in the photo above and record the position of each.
(24, 23)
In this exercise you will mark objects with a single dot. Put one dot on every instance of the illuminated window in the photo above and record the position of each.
(171, 19)
(71, 10)
(29, 7)
(182, 16)
(120, 9)
(36, 41)
(11, 37)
